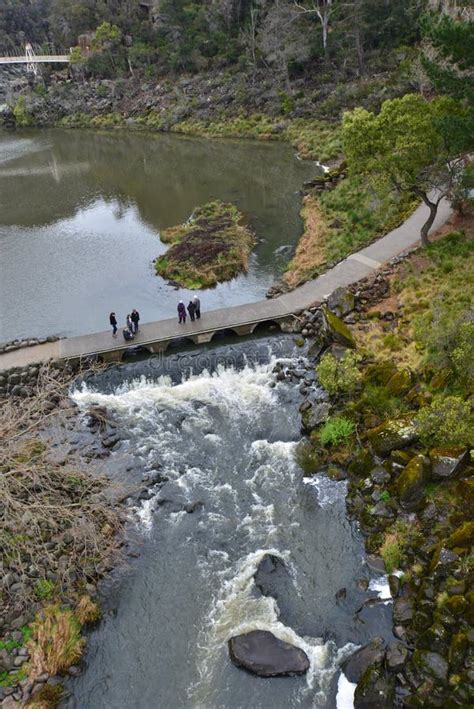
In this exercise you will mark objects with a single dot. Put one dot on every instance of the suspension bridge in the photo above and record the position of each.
(31, 59)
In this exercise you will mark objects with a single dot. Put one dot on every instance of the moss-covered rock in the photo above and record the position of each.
(380, 372)
(462, 537)
(458, 649)
(375, 690)
(361, 464)
(338, 329)
(411, 483)
(436, 638)
(456, 605)
(431, 663)
(392, 434)
(400, 382)
(315, 415)
(367, 656)
(341, 302)
(448, 461)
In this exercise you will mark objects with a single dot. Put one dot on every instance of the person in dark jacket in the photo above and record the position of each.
(128, 334)
(113, 322)
(181, 312)
(197, 307)
(191, 310)
(135, 317)
(129, 323)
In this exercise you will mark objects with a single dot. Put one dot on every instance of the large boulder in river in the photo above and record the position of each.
(371, 654)
(265, 655)
(376, 690)
(270, 574)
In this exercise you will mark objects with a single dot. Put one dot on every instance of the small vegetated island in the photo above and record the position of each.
(214, 245)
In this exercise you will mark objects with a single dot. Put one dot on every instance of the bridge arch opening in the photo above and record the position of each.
(222, 334)
(265, 326)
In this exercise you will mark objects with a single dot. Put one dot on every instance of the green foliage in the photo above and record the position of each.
(339, 375)
(462, 354)
(409, 144)
(107, 34)
(22, 116)
(385, 496)
(11, 680)
(75, 56)
(448, 420)
(378, 400)
(392, 552)
(336, 430)
(44, 589)
(396, 541)
(287, 103)
(449, 65)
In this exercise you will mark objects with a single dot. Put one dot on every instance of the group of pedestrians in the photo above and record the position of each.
(131, 326)
(194, 310)
(133, 318)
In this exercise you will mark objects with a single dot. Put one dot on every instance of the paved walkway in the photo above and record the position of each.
(352, 269)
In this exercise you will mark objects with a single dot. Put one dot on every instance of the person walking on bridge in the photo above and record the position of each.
(197, 307)
(130, 323)
(181, 312)
(191, 310)
(113, 322)
(135, 317)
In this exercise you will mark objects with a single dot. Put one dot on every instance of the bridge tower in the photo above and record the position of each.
(31, 64)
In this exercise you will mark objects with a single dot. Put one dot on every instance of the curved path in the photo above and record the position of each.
(242, 319)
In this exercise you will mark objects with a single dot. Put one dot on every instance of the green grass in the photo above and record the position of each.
(44, 589)
(357, 215)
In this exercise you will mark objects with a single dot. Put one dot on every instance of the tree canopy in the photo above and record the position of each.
(414, 144)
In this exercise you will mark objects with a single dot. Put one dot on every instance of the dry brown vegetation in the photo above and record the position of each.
(57, 642)
(213, 246)
(310, 254)
(57, 527)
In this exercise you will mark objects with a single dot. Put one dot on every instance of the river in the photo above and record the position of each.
(219, 430)
(81, 214)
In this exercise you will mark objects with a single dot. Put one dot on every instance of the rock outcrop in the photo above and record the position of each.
(265, 655)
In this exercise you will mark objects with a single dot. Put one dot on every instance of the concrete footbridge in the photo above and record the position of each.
(241, 319)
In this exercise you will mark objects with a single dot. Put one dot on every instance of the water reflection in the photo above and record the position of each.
(81, 212)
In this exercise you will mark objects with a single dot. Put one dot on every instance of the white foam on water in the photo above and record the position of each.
(244, 398)
(329, 492)
(345, 693)
(381, 587)
(237, 609)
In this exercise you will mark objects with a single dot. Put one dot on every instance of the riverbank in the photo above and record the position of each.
(399, 426)
(61, 529)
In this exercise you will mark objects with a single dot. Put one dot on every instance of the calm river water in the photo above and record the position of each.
(221, 432)
(81, 214)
